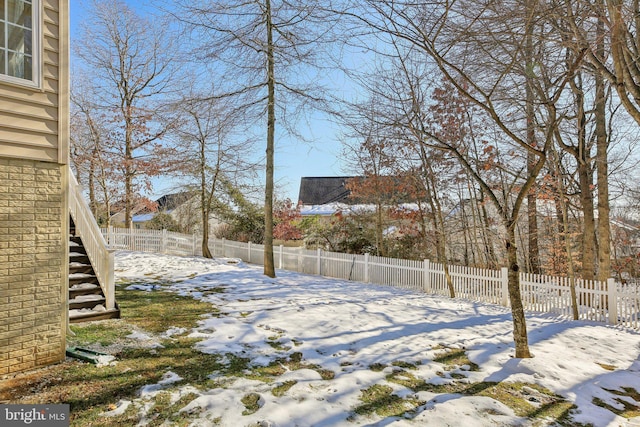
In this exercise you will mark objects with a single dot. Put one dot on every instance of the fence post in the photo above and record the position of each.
(224, 248)
(366, 268)
(504, 280)
(280, 257)
(612, 295)
(163, 242)
(319, 261)
(195, 244)
(300, 259)
(109, 236)
(427, 277)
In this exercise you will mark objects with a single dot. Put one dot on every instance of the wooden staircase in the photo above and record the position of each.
(87, 300)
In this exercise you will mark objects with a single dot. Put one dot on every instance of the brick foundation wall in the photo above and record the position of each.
(33, 264)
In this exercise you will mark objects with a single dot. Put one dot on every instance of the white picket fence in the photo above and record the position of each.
(608, 302)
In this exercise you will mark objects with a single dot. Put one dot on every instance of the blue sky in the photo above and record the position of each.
(293, 159)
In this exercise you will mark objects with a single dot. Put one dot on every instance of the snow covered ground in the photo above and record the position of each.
(347, 327)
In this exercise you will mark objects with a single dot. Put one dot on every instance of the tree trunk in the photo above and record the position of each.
(128, 168)
(492, 259)
(517, 310)
(532, 196)
(380, 251)
(438, 218)
(602, 146)
(205, 236)
(563, 232)
(204, 201)
(588, 237)
(269, 266)
(93, 203)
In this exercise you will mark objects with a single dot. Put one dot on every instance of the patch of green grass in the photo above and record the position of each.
(526, 400)
(405, 365)
(105, 333)
(377, 367)
(204, 292)
(408, 380)
(164, 412)
(274, 342)
(607, 366)
(281, 389)
(236, 365)
(91, 390)
(281, 365)
(325, 374)
(529, 400)
(454, 358)
(251, 402)
(157, 311)
(379, 399)
(629, 410)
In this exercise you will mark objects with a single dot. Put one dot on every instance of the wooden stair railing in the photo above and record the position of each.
(91, 263)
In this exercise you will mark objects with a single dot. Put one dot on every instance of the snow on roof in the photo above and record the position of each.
(346, 209)
(143, 217)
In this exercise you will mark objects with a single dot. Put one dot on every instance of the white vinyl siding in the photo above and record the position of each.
(35, 121)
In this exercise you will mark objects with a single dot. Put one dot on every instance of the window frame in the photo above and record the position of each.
(37, 54)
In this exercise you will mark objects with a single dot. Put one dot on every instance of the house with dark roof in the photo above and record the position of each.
(180, 206)
(324, 190)
(330, 194)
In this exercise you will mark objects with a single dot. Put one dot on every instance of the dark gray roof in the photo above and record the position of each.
(171, 201)
(323, 190)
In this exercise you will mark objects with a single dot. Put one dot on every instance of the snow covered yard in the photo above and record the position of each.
(355, 354)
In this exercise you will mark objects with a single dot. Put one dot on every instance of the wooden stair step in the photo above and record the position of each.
(79, 267)
(86, 301)
(87, 316)
(77, 278)
(84, 289)
(77, 249)
(78, 257)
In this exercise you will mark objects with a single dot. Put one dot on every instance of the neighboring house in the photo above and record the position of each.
(34, 174)
(324, 190)
(625, 238)
(183, 207)
(329, 195)
(177, 205)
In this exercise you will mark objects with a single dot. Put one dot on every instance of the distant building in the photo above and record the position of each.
(165, 204)
(326, 196)
(324, 190)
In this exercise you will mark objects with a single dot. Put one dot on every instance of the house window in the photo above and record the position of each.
(19, 41)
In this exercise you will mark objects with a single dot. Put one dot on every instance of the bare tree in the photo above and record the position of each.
(613, 24)
(90, 153)
(130, 62)
(269, 49)
(371, 153)
(212, 148)
(478, 48)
